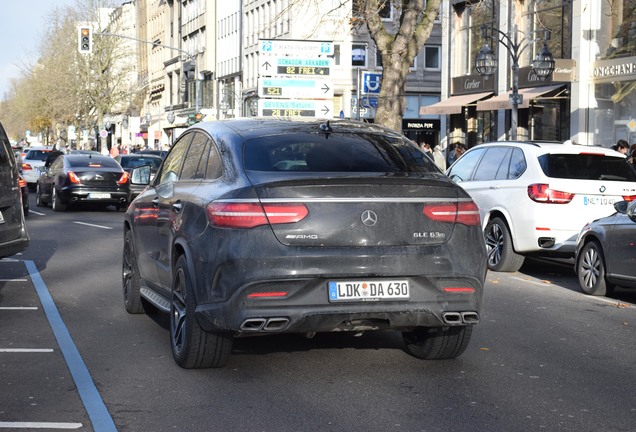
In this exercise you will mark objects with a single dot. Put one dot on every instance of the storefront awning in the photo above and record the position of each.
(502, 101)
(453, 105)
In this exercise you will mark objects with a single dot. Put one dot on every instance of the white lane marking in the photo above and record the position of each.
(26, 350)
(19, 308)
(39, 425)
(92, 225)
(37, 212)
(13, 280)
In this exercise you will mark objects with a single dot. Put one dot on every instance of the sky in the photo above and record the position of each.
(22, 26)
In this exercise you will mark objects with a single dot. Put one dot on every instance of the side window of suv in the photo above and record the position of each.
(463, 169)
(491, 163)
(197, 156)
(171, 168)
(518, 164)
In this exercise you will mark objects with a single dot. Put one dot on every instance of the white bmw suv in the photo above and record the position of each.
(535, 197)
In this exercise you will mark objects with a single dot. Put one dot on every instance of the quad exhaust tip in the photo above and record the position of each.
(265, 324)
(460, 318)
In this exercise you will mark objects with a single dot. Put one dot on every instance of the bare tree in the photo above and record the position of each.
(399, 46)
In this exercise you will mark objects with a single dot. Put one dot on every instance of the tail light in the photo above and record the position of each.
(250, 215)
(73, 178)
(21, 182)
(465, 213)
(542, 193)
(124, 178)
(26, 167)
(629, 197)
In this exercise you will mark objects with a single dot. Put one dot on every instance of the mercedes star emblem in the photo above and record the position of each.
(369, 218)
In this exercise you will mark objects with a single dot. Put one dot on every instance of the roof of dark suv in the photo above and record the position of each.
(13, 234)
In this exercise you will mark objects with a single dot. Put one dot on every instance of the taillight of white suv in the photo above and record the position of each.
(541, 193)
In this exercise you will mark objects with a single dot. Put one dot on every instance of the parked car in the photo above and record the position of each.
(133, 160)
(80, 178)
(161, 153)
(32, 161)
(13, 233)
(534, 198)
(369, 236)
(605, 251)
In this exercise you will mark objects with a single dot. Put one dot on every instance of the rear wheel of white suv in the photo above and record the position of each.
(501, 255)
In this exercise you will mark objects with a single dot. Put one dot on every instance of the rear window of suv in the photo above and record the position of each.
(587, 167)
(335, 152)
(40, 155)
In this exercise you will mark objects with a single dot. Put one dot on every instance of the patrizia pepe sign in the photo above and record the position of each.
(620, 69)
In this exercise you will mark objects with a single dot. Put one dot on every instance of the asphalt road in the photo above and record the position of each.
(544, 358)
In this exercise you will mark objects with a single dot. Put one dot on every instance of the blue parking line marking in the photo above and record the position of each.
(97, 411)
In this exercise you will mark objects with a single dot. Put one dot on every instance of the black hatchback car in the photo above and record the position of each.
(264, 226)
(13, 233)
(83, 178)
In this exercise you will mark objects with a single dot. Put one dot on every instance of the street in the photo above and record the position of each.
(544, 357)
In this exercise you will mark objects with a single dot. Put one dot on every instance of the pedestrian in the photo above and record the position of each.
(456, 152)
(622, 146)
(426, 148)
(439, 158)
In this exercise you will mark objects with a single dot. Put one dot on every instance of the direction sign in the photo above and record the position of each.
(307, 88)
(371, 82)
(295, 108)
(295, 47)
(294, 66)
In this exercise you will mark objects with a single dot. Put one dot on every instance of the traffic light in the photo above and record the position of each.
(84, 40)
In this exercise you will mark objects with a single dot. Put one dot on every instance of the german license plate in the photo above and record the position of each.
(368, 290)
(599, 201)
(98, 195)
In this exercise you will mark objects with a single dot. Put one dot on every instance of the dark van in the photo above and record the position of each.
(13, 234)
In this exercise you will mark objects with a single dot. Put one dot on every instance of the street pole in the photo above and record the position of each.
(486, 64)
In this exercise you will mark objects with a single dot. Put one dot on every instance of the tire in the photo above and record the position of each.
(501, 255)
(38, 197)
(590, 270)
(130, 277)
(56, 202)
(192, 347)
(437, 343)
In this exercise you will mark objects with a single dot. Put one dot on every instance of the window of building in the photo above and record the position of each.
(385, 12)
(359, 55)
(554, 16)
(432, 57)
(472, 15)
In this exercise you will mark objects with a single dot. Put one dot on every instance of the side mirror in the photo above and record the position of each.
(621, 206)
(140, 175)
(631, 210)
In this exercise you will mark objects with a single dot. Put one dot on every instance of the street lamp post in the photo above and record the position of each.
(486, 64)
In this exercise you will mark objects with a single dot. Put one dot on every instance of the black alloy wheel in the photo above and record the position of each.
(56, 202)
(192, 347)
(130, 277)
(501, 254)
(38, 197)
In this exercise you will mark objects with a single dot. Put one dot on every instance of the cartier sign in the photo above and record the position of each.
(564, 71)
(472, 84)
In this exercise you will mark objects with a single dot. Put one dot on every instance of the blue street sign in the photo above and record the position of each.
(371, 82)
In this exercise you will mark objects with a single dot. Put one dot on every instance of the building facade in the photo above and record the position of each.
(588, 98)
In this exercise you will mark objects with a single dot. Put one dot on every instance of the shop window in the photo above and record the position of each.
(471, 16)
(556, 17)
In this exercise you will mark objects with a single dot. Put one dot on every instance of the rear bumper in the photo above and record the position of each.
(75, 195)
(307, 309)
(15, 246)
